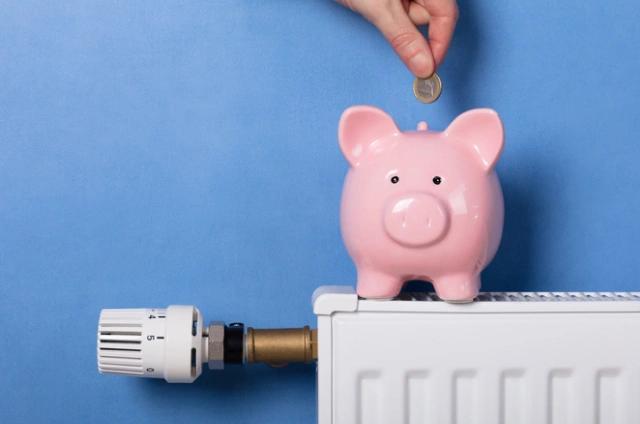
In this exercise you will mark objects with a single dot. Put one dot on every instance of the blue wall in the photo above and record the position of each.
(186, 152)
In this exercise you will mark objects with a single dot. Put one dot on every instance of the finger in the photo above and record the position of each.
(442, 23)
(440, 34)
(346, 3)
(418, 14)
(407, 41)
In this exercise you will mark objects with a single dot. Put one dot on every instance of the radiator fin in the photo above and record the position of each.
(465, 397)
(512, 396)
(370, 401)
(532, 297)
(418, 407)
(560, 397)
(608, 396)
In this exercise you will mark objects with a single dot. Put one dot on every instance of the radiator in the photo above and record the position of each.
(521, 358)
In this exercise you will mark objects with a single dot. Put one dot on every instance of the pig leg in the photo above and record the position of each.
(376, 285)
(457, 288)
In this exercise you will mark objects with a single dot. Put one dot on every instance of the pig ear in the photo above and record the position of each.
(480, 130)
(359, 127)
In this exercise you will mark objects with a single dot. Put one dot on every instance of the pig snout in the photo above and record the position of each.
(416, 219)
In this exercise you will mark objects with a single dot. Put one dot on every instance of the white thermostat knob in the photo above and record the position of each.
(161, 343)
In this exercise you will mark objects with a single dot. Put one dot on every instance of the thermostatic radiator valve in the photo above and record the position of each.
(173, 343)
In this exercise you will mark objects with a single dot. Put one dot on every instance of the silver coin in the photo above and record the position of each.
(427, 90)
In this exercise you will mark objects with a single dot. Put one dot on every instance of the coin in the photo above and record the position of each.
(427, 90)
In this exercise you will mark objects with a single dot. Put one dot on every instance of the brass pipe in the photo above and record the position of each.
(278, 347)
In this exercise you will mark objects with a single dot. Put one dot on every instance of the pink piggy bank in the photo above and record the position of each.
(421, 204)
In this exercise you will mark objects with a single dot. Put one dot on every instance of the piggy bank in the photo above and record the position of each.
(421, 205)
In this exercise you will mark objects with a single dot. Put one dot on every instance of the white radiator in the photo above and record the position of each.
(511, 358)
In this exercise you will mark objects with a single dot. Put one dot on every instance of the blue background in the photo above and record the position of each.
(185, 152)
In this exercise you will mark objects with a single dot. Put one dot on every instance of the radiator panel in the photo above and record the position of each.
(425, 361)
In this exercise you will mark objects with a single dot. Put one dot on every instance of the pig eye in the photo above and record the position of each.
(437, 180)
(395, 179)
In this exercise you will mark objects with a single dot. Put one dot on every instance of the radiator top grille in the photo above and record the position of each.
(531, 297)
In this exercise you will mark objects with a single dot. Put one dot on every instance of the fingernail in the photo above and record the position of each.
(420, 65)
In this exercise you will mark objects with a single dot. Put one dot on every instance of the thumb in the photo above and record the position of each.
(407, 42)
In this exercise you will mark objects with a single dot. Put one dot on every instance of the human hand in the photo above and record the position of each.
(397, 20)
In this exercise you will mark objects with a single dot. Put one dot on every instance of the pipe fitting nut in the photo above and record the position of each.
(216, 345)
